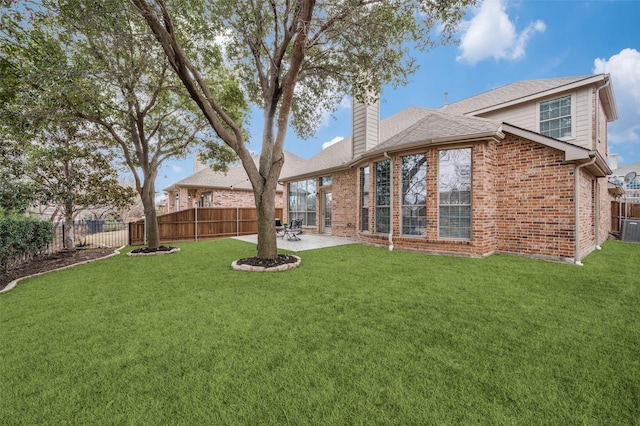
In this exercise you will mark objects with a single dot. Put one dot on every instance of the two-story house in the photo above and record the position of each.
(520, 169)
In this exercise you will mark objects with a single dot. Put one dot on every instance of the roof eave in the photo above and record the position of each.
(473, 137)
(580, 83)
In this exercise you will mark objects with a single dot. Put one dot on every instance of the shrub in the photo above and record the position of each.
(22, 238)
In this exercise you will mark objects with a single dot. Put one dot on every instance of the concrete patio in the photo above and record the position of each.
(306, 242)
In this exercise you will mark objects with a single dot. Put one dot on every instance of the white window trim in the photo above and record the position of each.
(573, 113)
(471, 204)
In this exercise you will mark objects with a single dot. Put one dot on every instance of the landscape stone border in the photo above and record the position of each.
(279, 268)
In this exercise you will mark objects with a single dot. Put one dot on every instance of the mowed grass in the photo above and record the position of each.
(355, 335)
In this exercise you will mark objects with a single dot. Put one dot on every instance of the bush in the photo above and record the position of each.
(21, 238)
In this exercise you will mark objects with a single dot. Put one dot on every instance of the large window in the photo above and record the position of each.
(302, 201)
(383, 196)
(414, 195)
(364, 198)
(454, 187)
(555, 117)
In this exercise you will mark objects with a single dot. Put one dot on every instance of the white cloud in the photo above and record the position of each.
(624, 68)
(492, 34)
(176, 169)
(332, 141)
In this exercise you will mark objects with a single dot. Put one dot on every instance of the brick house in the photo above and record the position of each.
(219, 189)
(519, 169)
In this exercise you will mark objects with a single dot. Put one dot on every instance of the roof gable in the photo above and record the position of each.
(438, 127)
(518, 92)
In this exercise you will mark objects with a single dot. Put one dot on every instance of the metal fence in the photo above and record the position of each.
(91, 234)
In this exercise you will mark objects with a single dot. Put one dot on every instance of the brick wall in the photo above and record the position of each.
(219, 198)
(535, 212)
(522, 203)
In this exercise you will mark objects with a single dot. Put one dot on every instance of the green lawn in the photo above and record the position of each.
(355, 335)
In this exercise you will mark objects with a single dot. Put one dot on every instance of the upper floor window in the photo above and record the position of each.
(555, 118)
(414, 195)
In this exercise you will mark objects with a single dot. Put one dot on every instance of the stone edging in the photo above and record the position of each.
(155, 253)
(15, 282)
(279, 268)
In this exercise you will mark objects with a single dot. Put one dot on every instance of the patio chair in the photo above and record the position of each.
(293, 230)
(279, 228)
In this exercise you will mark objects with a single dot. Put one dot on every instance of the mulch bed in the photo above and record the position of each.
(49, 262)
(281, 259)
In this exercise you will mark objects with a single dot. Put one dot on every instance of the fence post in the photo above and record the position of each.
(237, 221)
(145, 232)
(195, 226)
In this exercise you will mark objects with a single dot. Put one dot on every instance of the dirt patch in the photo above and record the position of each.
(49, 262)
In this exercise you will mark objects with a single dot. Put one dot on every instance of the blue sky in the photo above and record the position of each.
(502, 41)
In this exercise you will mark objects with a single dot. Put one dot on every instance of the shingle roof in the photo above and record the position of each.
(235, 177)
(339, 153)
(438, 126)
(509, 93)
(623, 170)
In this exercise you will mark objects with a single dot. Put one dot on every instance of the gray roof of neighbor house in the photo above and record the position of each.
(521, 90)
(623, 170)
(235, 177)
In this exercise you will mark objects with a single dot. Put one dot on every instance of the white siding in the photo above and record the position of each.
(365, 127)
(526, 116)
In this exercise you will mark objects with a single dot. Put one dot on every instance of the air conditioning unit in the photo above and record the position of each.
(631, 230)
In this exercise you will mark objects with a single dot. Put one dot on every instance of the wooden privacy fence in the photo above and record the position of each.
(200, 224)
(621, 211)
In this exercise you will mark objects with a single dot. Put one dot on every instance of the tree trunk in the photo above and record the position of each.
(266, 208)
(147, 195)
(69, 234)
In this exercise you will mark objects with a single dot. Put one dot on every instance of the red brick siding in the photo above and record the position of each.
(535, 199)
(522, 203)
(219, 198)
(346, 203)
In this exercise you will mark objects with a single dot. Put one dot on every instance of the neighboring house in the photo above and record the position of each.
(631, 186)
(219, 189)
(520, 169)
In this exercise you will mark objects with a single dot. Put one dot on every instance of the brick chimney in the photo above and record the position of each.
(366, 127)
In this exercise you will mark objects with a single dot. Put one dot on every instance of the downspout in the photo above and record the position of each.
(576, 199)
(598, 214)
(597, 139)
(386, 155)
(598, 111)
